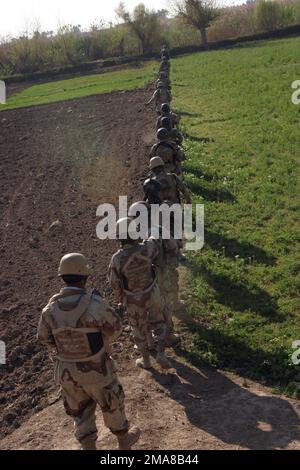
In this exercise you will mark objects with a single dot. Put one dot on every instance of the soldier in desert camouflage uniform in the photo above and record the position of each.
(164, 261)
(133, 278)
(79, 325)
(172, 187)
(160, 96)
(165, 52)
(172, 191)
(176, 136)
(163, 77)
(165, 111)
(171, 154)
(165, 66)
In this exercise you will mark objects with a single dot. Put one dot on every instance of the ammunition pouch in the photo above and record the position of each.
(78, 344)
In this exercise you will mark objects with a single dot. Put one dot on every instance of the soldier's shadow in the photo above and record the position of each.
(230, 412)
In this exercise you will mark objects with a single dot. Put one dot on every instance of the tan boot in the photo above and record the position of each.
(88, 445)
(143, 362)
(129, 438)
(163, 361)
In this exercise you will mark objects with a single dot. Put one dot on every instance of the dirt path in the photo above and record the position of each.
(190, 409)
(57, 164)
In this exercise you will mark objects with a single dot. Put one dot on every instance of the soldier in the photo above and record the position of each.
(163, 77)
(166, 123)
(161, 95)
(151, 190)
(166, 112)
(165, 262)
(133, 278)
(165, 66)
(172, 188)
(165, 52)
(79, 326)
(176, 136)
(169, 152)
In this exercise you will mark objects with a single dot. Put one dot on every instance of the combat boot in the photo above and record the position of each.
(163, 361)
(127, 439)
(88, 445)
(143, 362)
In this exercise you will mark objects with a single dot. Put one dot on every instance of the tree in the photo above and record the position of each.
(197, 13)
(267, 15)
(144, 23)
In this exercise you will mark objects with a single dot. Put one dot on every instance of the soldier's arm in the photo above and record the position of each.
(184, 191)
(153, 246)
(112, 324)
(115, 281)
(153, 151)
(106, 318)
(171, 246)
(44, 333)
(153, 97)
(180, 154)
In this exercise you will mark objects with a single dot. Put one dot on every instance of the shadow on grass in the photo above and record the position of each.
(227, 411)
(237, 295)
(194, 138)
(232, 247)
(216, 195)
(199, 173)
(186, 113)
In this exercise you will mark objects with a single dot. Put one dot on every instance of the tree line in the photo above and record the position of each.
(142, 31)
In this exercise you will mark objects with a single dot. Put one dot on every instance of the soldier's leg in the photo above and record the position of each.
(81, 407)
(172, 264)
(159, 326)
(168, 294)
(111, 401)
(138, 321)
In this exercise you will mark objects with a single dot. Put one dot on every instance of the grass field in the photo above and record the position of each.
(243, 286)
(127, 79)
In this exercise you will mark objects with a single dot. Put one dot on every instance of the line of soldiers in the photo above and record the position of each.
(79, 325)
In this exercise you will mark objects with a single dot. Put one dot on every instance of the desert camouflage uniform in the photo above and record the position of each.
(80, 326)
(165, 67)
(160, 96)
(171, 154)
(132, 277)
(167, 263)
(172, 188)
(165, 81)
(172, 116)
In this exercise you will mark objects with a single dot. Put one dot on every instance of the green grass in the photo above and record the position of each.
(243, 291)
(87, 85)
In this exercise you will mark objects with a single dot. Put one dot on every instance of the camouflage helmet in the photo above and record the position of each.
(162, 134)
(156, 162)
(151, 186)
(126, 229)
(74, 264)
(136, 207)
(165, 108)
